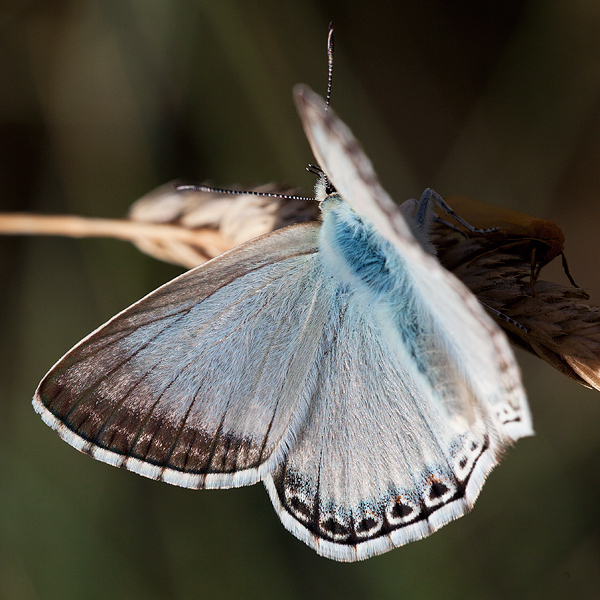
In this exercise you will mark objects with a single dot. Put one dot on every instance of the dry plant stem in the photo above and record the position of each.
(206, 242)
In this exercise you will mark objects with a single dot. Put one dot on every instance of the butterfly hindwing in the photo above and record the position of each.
(381, 459)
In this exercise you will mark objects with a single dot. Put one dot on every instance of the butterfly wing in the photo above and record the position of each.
(415, 402)
(197, 383)
(378, 462)
(480, 348)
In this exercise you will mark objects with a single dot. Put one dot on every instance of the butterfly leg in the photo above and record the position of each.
(422, 215)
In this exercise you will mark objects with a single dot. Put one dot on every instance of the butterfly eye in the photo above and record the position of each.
(324, 182)
(329, 187)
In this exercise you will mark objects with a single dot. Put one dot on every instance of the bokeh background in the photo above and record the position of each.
(102, 100)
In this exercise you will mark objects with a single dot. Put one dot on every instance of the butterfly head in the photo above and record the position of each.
(323, 188)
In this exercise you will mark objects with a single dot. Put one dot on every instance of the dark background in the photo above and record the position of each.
(102, 100)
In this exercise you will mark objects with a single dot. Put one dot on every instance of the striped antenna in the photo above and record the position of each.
(329, 64)
(214, 190)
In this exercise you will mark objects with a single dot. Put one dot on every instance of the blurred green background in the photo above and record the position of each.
(102, 100)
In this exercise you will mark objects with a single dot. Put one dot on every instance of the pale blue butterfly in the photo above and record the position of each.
(338, 362)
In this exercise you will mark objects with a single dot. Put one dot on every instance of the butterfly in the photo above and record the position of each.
(336, 361)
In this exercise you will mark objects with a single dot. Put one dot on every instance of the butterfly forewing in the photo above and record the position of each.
(480, 349)
(198, 382)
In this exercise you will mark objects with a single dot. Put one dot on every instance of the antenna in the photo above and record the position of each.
(329, 64)
(214, 190)
(313, 169)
